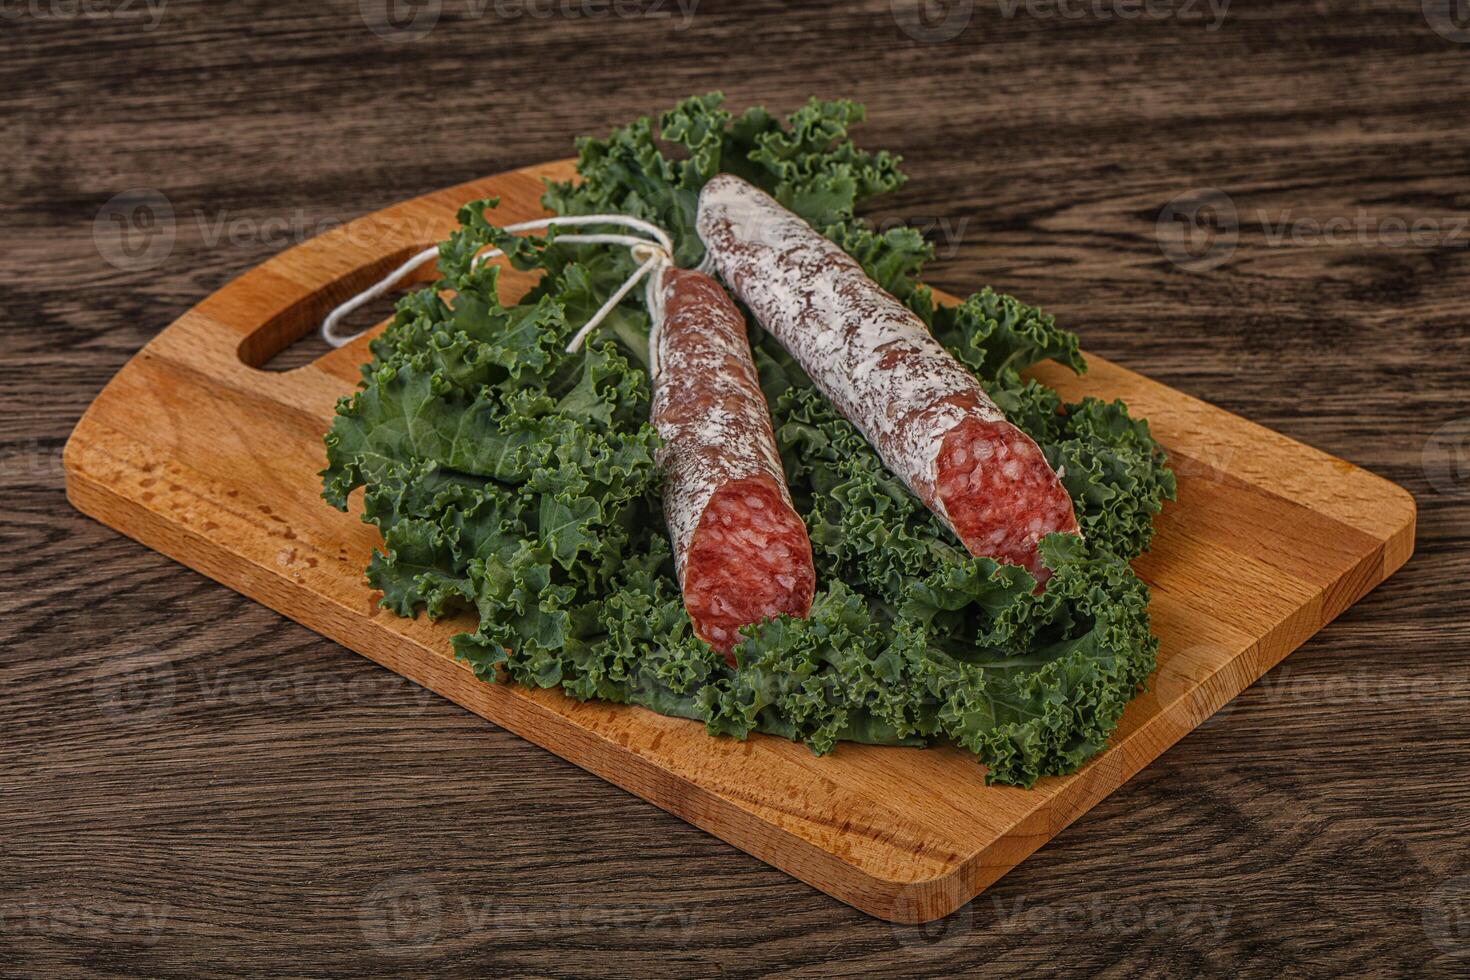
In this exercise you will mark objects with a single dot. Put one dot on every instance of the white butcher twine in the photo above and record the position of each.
(656, 253)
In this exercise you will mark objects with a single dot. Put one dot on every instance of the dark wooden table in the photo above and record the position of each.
(257, 799)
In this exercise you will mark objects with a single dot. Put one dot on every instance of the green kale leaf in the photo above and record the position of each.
(515, 481)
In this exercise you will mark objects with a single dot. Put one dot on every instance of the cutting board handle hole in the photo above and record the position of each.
(292, 338)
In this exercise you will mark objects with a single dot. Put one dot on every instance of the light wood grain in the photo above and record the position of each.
(197, 453)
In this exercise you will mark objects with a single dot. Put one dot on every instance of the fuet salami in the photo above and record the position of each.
(876, 360)
(740, 548)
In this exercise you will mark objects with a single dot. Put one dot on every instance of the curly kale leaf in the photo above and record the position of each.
(997, 336)
(809, 164)
(516, 482)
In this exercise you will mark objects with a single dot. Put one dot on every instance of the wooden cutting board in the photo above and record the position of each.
(198, 453)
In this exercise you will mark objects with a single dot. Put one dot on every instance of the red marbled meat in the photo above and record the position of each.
(921, 409)
(740, 548)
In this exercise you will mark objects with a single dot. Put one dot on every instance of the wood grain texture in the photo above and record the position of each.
(197, 453)
(1313, 828)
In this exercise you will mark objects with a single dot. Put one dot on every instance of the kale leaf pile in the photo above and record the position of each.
(515, 480)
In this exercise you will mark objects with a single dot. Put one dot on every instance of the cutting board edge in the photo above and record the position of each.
(906, 901)
(890, 899)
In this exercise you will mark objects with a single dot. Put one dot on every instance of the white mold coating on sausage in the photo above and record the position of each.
(707, 406)
(866, 351)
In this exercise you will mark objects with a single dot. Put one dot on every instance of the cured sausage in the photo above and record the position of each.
(924, 412)
(740, 549)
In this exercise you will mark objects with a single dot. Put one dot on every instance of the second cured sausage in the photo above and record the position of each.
(740, 549)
